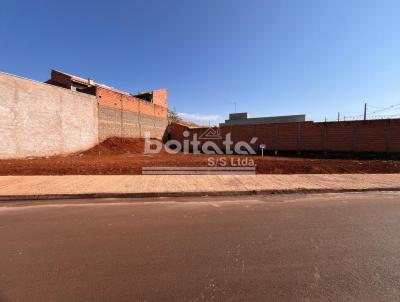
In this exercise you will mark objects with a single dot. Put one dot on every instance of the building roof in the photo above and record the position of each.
(242, 118)
(87, 82)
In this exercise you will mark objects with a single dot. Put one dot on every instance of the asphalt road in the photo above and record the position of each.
(331, 247)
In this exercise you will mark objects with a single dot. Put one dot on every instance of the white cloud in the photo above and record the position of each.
(200, 117)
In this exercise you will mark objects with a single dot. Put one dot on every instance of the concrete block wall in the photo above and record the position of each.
(38, 119)
(377, 136)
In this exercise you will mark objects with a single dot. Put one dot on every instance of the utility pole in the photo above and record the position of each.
(338, 116)
(365, 111)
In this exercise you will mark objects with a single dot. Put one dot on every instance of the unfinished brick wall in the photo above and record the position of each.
(59, 79)
(354, 136)
(160, 97)
(123, 115)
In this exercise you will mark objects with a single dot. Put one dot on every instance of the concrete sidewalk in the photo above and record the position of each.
(104, 186)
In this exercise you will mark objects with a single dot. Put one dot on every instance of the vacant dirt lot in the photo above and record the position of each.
(125, 156)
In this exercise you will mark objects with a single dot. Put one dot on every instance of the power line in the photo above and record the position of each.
(375, 107)
(385, 109)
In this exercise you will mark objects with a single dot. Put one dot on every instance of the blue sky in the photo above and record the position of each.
(270, 57)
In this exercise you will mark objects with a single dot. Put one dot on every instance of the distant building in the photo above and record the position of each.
(243, 119)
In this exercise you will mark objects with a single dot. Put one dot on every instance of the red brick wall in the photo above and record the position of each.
(108, 98)
(312, 136)
(160, 97)
(127, 116)
(394, 134)
(60, 79)
(112, 99)
(176, 131)
(354, 136)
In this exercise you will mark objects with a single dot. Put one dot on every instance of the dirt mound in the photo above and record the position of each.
(117, 146)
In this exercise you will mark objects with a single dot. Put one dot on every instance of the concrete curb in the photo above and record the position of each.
(4, 198)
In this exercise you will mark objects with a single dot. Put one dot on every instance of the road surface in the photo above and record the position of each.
(330, 247)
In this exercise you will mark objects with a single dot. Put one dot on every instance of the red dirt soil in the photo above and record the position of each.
(125, 156)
